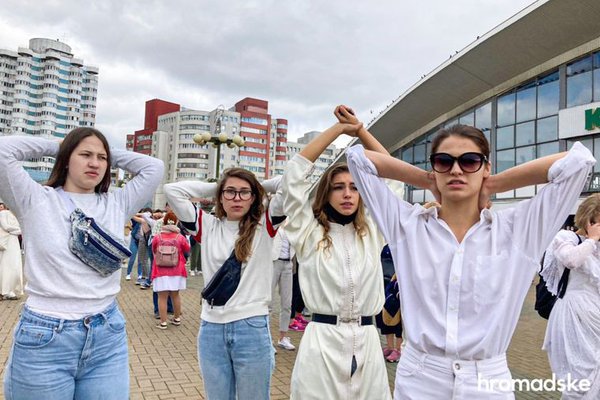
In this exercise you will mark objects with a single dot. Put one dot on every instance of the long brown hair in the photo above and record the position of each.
(59, 173)
(249, 222)
(322, 199)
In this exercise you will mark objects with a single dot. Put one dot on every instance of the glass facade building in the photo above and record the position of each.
(522, 123)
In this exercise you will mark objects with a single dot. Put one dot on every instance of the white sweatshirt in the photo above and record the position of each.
(58, 283)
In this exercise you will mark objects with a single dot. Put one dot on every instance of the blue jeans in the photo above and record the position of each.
(133, 247)
(57, 359)
(236, 358)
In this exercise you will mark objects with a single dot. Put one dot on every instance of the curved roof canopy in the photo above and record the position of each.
(544, 30)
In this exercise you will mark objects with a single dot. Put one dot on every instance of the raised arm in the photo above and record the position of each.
(572, 254)
(180, 195)
(393, 168)
(346, 115)
(17, 189)
(148, 173)
(530, 173)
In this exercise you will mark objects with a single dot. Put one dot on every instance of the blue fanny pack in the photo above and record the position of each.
(91, 244)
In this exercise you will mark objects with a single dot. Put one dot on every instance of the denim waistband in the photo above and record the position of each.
(451, 365)
(28, 315)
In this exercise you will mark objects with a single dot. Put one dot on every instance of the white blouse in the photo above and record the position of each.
(463, 299)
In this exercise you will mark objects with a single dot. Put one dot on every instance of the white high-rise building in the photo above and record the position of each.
(45, 91)
(185, 160)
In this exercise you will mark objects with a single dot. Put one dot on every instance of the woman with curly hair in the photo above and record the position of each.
(234, 343)
(341, 280)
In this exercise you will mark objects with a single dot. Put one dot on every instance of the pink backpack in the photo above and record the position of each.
(167, 253)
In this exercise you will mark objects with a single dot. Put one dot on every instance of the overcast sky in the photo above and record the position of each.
(304, 57)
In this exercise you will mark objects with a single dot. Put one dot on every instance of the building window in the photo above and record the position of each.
(579, 82)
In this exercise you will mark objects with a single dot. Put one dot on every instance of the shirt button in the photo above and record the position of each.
(457, 366)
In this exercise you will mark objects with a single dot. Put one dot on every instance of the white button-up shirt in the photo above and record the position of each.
(463, 299)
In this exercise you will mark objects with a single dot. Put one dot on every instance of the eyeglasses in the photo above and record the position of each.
(229, 194)
(468, 162)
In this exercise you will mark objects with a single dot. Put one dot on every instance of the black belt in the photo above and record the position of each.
(333, 319)
(283, 259)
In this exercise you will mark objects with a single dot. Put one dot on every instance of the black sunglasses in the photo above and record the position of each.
(468, 162)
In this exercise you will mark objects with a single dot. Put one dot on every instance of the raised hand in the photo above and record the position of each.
(348, 121)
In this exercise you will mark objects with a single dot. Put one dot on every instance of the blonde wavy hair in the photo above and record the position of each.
(587, 212)
(322, 199)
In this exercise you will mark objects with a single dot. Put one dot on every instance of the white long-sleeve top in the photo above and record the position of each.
(463, 299)
(218, 237)
(344, 280)
(58, 283)
(583, 260)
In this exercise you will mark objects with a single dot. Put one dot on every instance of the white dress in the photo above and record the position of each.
(573, 333)
(346, 281)
(11, 266)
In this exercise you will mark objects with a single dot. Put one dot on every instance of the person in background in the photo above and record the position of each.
(168, 281)
(298, 322)
(11, 265)
(393, 334)
(282, 256)
(136, 235)
(573, 332)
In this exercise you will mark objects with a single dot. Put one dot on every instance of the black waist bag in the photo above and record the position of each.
(224, 283)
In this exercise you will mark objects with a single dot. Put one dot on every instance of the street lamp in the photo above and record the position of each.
(218, 138)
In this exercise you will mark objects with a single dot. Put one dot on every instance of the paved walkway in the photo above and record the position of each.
(163, 364)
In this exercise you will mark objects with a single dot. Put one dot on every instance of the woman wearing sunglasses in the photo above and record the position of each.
(465, 270)
(234, 343)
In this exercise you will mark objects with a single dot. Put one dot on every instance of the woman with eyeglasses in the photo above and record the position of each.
(464, 270)
(235, 353)
(341, 278)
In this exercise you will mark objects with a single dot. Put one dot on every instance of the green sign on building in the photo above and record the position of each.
(592, 119)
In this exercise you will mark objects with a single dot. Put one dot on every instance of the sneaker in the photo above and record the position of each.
(192, 273)
(156, 315)
(128, 277)
(143, 285)
(295, 326)
(386, 352)
(300, 319)
(393, 357)
(162, 326)
(286, 343)
(176, 321)
(139, 281)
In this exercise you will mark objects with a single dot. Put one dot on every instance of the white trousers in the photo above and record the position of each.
(421, 376)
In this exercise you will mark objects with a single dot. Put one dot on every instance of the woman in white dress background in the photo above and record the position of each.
(11, 265)
(573, 333)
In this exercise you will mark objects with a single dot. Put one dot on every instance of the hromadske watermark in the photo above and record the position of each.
(553, 384)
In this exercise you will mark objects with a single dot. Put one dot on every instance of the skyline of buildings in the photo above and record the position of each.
(45, 91)
(169, 131)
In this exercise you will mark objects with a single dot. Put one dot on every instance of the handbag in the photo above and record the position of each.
(91, 244)
(224, 283)
(544, 299)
